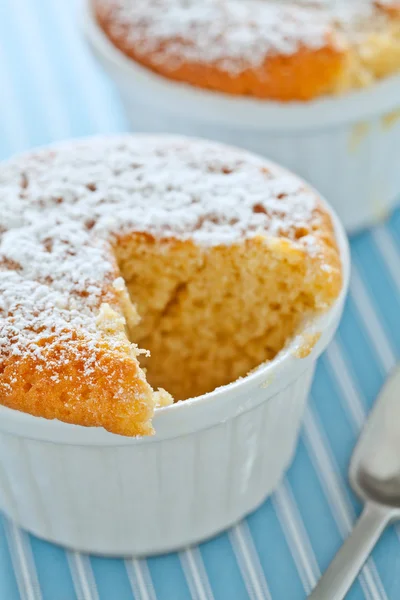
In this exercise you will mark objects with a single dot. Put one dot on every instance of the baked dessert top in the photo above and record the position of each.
(205, 255)
(273, 49)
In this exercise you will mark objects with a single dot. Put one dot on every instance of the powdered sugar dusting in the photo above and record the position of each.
(234, 33)
(62, 209)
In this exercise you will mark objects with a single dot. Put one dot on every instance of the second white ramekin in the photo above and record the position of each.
(347, 147)
(213, 460)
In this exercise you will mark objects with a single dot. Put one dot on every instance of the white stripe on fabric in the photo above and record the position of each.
(249, 562)
(337, 496)
(296, 535)
(389, 252)
(371, 322)
(23, 562)
(140, 579)
(11, 124)
(349, 392)
(37, 62)
(82, 576)
(195, 573)
(20, 550)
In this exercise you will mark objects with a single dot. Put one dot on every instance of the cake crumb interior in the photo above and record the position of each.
(210, 315)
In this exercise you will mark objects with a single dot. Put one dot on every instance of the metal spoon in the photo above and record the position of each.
(375, 476)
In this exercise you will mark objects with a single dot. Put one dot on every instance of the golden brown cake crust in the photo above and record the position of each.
(66, 215)
(67, 393)
(292, 50)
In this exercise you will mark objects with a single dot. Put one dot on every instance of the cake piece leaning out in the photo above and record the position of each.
(136, 271)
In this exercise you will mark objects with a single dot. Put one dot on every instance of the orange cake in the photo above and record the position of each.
(274, 49)
(133, 265)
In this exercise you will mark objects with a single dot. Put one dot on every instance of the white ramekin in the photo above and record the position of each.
(213, 459)
(347, 147)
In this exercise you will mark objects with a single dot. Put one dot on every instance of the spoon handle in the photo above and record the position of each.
(344, 568)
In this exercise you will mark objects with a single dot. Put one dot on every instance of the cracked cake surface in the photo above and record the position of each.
(113, 248)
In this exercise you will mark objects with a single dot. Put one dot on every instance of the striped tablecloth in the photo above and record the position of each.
(51, 88)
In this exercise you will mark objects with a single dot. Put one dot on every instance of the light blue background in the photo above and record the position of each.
(50, 89)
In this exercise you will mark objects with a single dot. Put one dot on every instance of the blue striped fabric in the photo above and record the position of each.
(51, 88)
